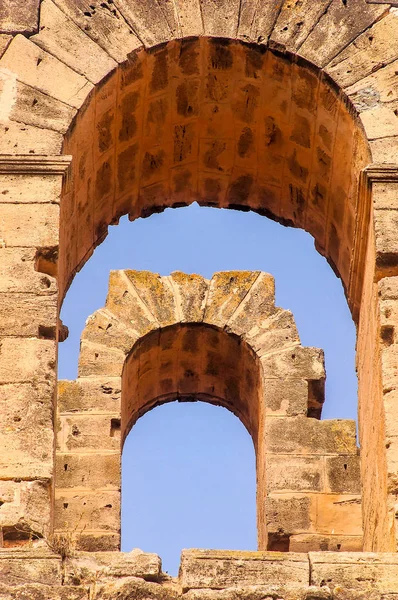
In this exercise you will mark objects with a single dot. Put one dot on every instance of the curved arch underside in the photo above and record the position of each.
(222, 123)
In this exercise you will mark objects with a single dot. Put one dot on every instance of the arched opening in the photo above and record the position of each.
(226, 124)
(188, 481)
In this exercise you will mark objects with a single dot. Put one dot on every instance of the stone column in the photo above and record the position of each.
(30, 191)
(377, 357)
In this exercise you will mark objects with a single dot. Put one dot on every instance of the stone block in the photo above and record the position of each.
(19, 16)
(386, 223)
(19, 138)
(30, 189)
(286, 397)
(288, 513)
(38, 591)
(314, 542)
(190, 291)
(29, 225)
(25, 512)
(296, 362)
(218, 569)
(42, 71)
(27, 315)
(96, 359)
(88, 433)
(112, 565)
(79, 512)
(104, 328)
(40, 110)
(343, 474)
(339, 514)
(365, 572)
(26, 431)
(379, 122)
(302, 435)
(256, 307)
(91, 471)
(27, 360)
(100, 541)
(18, 273)
(226, 292)
(295, 473)
(61, 38)
(94, 394)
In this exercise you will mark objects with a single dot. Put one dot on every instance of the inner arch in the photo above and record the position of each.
(223, 123)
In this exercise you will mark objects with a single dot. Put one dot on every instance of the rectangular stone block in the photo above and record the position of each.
(30, 189)
(366, 571)
(298, 362)
(27, 359)
(42, 591)
(218, 569)
(26, 431)
(29, 225)
(313, 542)
(28, 315)
(94, 394)
(95, 359)
(339, 514)
(25, 511)
(386, 224)
(78, 511)
(18, 274)
(18, 138)
(44, 72)
(19, 16)
(301, 435)
(343, 474)
(87, 433)
(92, 471)
(295, 473)
(109, 565)
(286, 397)
(289, 513)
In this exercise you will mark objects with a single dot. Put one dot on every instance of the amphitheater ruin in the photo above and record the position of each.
(285, 107)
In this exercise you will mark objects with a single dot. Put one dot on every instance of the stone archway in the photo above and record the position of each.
(58, 66)
(222, 341)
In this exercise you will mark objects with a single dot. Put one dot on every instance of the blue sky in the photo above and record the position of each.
(188, 473)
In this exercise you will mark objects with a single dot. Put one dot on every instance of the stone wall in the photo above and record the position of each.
(222, 341)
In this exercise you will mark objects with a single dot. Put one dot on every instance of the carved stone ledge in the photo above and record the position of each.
(33, 164)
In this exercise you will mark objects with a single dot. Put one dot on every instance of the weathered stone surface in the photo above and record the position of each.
(93, 471)
(217, 569)
(226, 292)
(42, 592)
(20, 188)
(29, 566)
(28, 315)
(60, 37)
(341, 24)
(343, 474)
(104, 25)
(294, 362)
(26, 430)
(40, 70)
(373, 49)
(298, 473)
(89, 395)
(365, 571)
(190, 292)
(19, 16)
(286, 398)
(19, 138)
(27, 360)
(18, 273)
(79, 511)
(96, 359)
(309, 542)
(84, 566)
(29, 225)
(300, 435)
